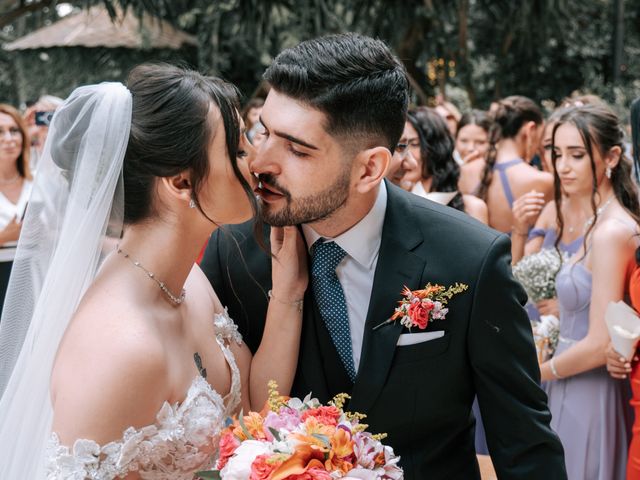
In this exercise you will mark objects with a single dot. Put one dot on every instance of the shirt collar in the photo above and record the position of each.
(362, 241)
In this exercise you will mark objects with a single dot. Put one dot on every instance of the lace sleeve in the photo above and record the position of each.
(225, 328)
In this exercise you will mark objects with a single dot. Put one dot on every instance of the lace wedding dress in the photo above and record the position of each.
(174, 447)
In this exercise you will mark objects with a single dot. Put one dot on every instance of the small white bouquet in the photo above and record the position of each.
(545, 335)
(537, 275)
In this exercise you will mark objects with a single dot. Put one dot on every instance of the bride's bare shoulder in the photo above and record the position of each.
(110, 372)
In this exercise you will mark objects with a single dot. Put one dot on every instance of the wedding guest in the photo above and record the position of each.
(588, 407)
(38, 117)
(449, 113)
(436, 174)
(402, 162)
(251, 116)
(507, 175)
(618, 366)
(15, 187)
(472, 143)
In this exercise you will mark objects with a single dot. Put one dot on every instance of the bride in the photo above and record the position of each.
(116, 358)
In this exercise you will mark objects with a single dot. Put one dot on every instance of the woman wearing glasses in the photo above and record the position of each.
(436, 173)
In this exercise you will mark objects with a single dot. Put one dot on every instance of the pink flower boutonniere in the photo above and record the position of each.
(419, 307)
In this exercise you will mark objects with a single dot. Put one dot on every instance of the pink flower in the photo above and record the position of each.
(261, 468)
(314, 473)
(419, 314)
(228, 445)
(287, 419)
(325, 415)
(439, 312)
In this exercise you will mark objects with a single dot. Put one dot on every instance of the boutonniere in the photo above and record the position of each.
(419, 307)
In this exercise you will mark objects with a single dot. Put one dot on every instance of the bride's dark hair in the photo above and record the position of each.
(171, 132)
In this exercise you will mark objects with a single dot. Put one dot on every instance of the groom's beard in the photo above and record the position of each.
(308, 209)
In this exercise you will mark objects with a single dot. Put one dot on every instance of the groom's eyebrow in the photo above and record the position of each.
(291, 138)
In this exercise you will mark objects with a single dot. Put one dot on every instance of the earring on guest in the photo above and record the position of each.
(607, 172)
(192, 203)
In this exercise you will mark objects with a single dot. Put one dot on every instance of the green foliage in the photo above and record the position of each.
(485, 49)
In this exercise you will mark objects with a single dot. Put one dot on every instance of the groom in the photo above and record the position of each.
(334, 114)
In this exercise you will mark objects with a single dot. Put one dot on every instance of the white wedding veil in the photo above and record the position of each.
(76, 203)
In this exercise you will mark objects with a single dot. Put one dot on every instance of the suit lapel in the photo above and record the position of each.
(397, 266)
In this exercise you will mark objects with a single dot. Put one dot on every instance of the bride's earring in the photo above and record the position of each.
(607, 172)
(192, 203)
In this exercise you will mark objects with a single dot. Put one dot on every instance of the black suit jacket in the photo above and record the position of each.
(421, 394)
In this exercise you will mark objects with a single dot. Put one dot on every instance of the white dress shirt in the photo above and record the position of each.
(356, 271)
(9, 211)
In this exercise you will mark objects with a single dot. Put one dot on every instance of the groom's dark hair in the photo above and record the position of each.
(354, 80)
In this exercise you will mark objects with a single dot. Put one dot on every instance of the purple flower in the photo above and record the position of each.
(287, 419)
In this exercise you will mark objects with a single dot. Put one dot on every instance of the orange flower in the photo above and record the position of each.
(314, 425)
(341, 454)
(254, 423)
(426, 292)
(325, 415)
(304, 458)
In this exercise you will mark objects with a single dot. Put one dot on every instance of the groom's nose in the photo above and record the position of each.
(266, 159)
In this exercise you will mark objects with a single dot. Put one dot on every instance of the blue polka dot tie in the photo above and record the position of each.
(325, 257)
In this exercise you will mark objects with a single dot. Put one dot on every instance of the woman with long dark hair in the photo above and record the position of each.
(130, 370)
(437, 173)
(589, 408)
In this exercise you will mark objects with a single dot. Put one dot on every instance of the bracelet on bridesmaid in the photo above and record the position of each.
(298, 303)
(552, 365)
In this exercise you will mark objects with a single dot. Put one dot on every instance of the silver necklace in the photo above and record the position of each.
(591, 219)
(599, 211)
(175, 300)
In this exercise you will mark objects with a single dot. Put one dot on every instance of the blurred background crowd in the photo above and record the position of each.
(521, 117)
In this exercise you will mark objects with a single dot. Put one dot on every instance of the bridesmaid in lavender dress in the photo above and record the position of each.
(590, 409)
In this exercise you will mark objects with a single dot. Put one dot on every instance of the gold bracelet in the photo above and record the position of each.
(297, 303)
(552, 365)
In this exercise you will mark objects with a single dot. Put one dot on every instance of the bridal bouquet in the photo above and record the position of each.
(293, 439)
(537, 274)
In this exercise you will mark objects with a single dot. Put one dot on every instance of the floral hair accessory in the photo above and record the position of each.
(419, 307)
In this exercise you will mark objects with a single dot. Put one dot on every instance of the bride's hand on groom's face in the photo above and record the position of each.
(289, 263)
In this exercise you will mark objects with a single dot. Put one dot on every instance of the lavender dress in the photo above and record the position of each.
(549, 241)
(590, 411)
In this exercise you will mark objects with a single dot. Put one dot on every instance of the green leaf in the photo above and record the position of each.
(275, 434)
(212, 474)
(323, 438)
(244, 427)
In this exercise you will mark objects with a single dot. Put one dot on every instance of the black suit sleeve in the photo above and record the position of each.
(240, 273)
(507, 376)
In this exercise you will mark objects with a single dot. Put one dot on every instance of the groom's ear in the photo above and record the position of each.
(371, 165)
(177, 187)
